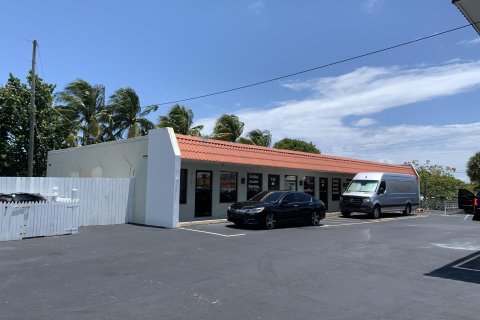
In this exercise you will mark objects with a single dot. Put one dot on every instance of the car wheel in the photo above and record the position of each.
(270, 221)
(408, 210)
(376, 213)
(315, 219)
(346, 214)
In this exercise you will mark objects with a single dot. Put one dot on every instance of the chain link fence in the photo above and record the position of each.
(448, 207)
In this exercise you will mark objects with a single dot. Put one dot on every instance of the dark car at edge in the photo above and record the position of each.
(269, 208)
(469, 202)
(21, 197)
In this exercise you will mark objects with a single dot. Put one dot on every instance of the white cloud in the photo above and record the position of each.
(367, 91)
(364, 122)
(257, 7)
(472, 42)
(371, 5)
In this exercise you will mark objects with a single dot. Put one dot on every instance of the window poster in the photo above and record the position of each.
(336, 189)
(228, 187)
(254, 184)
(309, 186)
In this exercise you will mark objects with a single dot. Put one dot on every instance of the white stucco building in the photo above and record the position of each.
(182, 178)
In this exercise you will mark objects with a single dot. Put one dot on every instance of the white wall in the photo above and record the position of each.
(163, 180)
(116, 159)
(102, 201)
(219, 210)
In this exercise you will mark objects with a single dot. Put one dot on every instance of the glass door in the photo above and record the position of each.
(203, 194)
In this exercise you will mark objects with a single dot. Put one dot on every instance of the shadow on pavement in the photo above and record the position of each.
(465, 269)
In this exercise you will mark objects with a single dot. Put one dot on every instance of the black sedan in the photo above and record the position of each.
(268, 208)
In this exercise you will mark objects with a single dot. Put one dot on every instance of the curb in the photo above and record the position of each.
(201, 222)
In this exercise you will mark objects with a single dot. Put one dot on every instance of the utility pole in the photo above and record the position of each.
(31, 138)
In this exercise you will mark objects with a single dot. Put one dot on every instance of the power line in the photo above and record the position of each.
(41, 61)
(317, 68)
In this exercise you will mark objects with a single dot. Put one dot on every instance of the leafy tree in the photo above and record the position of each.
(124, 113)
(473, 168)
(84, 105)
(228, 128)
(437, 182)
(50, 132)
(180, 118)
(296, 145)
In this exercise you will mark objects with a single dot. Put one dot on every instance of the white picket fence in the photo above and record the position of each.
(101, 201)
(34, 219)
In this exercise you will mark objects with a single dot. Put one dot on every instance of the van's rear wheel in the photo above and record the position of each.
(376, 213)
(346, 214)
(408, 210)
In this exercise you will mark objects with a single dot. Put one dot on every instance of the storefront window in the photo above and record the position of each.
(228, 187)
(254, 184)
(336, 189)
(183, 186)
(290, 182)
(309, 186)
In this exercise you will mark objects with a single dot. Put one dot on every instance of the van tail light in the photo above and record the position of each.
(475, 202)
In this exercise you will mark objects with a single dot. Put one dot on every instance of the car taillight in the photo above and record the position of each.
(475, 202)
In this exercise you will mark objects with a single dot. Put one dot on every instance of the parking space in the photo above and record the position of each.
(337, 220)
(231, 230)
(397, 268)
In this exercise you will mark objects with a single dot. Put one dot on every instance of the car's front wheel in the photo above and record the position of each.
(346, 214)
(315, 219)
(270, 221)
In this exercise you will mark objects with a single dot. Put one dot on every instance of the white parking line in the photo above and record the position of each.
(214, 233)
(459, 266)
(370, 221)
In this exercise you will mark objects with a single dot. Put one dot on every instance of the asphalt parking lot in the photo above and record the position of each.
(417, 267)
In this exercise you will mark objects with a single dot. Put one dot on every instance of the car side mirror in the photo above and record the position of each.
(283, 202)
(381, 191)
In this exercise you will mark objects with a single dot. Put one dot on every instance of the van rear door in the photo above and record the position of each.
(465, 199)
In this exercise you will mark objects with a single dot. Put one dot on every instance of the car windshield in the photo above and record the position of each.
(267, 197)
(363, 186)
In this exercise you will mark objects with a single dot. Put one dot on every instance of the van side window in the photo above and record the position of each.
(383, 186)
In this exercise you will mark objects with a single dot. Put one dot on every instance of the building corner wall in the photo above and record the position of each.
(163, 179)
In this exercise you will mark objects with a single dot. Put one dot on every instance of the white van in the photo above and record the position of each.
(372, 192)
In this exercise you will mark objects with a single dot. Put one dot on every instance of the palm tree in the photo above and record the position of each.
(83, 104)
(124, 113)
(180, 119)
(260, 138)
(228, 128)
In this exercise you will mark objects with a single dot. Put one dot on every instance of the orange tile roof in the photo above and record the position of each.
(196, 148)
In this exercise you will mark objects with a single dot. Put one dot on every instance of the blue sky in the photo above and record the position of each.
(416, 102)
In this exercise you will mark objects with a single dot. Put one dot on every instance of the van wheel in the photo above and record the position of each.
(408, 210)
(346, 214)
(376, 213)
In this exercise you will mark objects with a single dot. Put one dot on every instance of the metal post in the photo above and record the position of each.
(31, 138)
